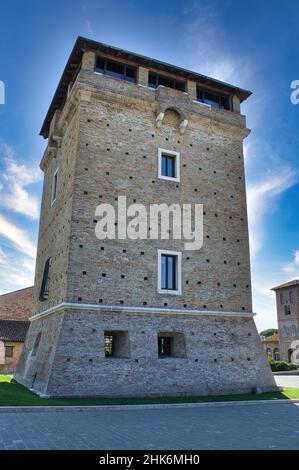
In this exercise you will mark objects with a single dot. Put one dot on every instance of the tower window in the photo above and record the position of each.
(171, 345)
(168, 165)
(44, 290)
(155, 79)
(54, 187)
(116, 69)
(212, 99)
(116, 344)
(169, 272)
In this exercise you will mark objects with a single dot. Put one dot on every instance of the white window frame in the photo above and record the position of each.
(172, 153)
(178, 254)
(54, 189)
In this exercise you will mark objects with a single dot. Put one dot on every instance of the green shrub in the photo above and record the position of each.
(277, 366)
(269, 332)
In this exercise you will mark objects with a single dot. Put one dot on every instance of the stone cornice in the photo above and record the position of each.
(135, 310)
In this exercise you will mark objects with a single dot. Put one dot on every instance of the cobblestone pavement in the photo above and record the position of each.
(267, 426)
(291, 381)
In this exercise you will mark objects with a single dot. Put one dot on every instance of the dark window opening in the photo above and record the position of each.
(169, 272)
(116, 344)
(44, 290)
(116, 69)
(54, 186)
(36, 344)
(9, 351)
(168, 165)
(212, 99)
(155, 79)
(164, 346)
(287, 310)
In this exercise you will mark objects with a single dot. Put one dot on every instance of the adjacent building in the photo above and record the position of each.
(287, 305)
(15, 310)
(142, 317)
(271, 346)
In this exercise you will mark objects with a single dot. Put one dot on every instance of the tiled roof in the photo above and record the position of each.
(287, 284)
(11, 330)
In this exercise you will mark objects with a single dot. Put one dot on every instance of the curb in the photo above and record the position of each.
(47, 409)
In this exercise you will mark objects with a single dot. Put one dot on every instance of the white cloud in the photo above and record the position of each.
(17, 272)
(18, 237)
(89, 27)
(294, 265)
(3, 256)
(210, 49)
(15, 179)
(261, 197)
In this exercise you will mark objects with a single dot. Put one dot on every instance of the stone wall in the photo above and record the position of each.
(223, 355)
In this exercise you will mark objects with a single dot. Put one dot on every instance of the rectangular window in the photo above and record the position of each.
(212, 99)
(169, 272)
(116, 69)
(287, 310)
(155, 79)
(44, 290)
(291, 296)
(171, 344)
(281, 298)
(54, 187)
(168, 165)
(9, 351)
(116, 344)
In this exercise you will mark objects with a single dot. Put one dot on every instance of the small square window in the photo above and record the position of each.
(169, 272)
(168, 165)
(171, 344)
(116, 344)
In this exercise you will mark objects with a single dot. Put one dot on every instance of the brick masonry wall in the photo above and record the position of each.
(286, 322)
(118, 145)
(16, 305)
(108, 147)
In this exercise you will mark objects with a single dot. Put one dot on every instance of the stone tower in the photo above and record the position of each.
(287, 306)
(122, 317)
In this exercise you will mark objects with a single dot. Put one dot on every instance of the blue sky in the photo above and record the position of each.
(253, 45)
